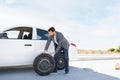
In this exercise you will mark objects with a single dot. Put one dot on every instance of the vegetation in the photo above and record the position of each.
(114, 50)
(118, 49)
(91, 51)
(111, 49)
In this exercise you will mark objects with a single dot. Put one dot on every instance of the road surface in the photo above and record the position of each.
(96, 69)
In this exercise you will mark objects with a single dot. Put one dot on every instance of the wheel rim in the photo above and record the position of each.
(61, 62)
(44, 65)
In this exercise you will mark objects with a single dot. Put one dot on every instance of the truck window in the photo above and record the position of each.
(13, 34)
(27, 35)
(42, 34)
(19, 33)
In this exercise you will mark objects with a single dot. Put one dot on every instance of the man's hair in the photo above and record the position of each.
(51, 29)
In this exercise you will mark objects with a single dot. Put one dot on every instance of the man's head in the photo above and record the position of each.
(51, 31)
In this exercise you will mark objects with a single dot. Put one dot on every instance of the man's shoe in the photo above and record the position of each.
(66, 72)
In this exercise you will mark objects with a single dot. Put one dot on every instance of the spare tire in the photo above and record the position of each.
(61, 62)
(44, 64)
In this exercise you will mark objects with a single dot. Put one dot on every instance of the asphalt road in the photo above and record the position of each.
(75, 74)
(79, 70)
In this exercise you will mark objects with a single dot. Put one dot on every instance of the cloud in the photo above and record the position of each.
(105, 31)
(114, 9)
(109, 26)
(84, 22)
(10, 1)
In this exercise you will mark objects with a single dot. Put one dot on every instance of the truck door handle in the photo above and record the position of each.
(27, 44)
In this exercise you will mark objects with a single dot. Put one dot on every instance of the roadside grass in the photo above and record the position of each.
(79, 51)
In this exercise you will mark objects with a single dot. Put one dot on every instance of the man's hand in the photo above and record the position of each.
(43, 52)
(52, 53)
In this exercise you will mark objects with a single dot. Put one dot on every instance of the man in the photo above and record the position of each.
(62, 44)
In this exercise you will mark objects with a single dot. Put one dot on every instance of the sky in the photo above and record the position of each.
(90, 24)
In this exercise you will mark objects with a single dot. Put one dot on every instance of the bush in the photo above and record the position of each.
(118, 49)
(111, 49)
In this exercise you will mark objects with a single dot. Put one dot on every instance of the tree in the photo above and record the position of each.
(118, 49)
(111, 49)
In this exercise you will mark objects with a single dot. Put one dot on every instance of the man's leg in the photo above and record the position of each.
(66, 59)
(56, 56)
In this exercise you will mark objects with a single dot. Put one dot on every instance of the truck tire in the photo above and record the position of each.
(44, 64)
(61, 62)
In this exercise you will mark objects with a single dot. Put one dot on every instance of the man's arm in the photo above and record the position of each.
(47, 44)
(58, 48)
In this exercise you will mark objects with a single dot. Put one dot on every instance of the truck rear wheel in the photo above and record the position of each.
(61, 62)
(44, 64)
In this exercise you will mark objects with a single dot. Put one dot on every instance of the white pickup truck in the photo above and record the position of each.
(21, 46)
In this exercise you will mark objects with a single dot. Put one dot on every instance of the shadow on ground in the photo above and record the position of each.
(75, 74)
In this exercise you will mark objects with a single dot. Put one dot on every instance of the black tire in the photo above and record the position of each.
(61, 62)
(44, 64)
